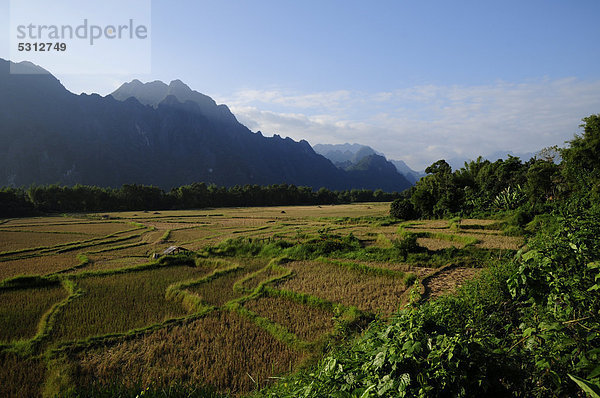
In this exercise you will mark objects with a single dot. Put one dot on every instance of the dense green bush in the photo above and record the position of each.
(403, 209)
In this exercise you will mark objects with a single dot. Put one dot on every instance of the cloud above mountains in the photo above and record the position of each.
(425, 123)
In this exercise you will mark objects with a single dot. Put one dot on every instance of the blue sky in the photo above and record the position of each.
(418, 81)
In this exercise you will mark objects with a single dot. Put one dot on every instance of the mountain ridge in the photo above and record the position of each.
(346, 156)
(50, 135)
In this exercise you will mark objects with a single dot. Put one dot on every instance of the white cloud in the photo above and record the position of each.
(425, 123)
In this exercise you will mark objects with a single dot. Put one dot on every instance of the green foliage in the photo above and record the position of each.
(581, 160)
(324, 245)
(403, 209)
(417, 354)
(410, 280)
(454, 223)
(558, 281)
(407, 244)
(592, 389)
(509, 198)
(19, 202)
(436, 195)
(481, 187)
(15, 203)
(542, 182)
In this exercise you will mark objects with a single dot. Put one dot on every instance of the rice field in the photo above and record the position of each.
(13, 240)
(21, 310)
(105, 263)
(374, 293)
(307, 322)
(220, 290)
(21, 377)
(487, 233)
(77, 228)
(252, 281)
(222, 350)
(108, 309)
(40, 265)
(121, 302)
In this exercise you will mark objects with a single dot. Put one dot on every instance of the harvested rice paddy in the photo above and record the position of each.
(104, 305)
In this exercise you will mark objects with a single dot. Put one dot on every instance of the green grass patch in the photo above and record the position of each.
(165, 236)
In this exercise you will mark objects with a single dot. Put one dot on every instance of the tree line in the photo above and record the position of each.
(532, 187)
(17, 202)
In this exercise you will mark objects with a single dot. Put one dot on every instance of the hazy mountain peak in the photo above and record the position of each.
(178, 84)
(28, 76)
(154, 93)
(22, 68)
(342, 153)
(135, 82)
(359, 157)
(26, 67)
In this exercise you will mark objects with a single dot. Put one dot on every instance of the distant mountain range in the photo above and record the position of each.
(349, 156)
(158, 134)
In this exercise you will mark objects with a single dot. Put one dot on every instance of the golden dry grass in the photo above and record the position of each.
(438, 244)
(487, 240)
(133, 247)
(118, 303)
(250, 283)
(10, 241)
(102, 244)
(499, 242)
(474, 221)
(97, 229)
(427, 224)
(37, 265)
(21, 310)
(346, 286)
(191, 234)
(55, 220)
(403, 267)
(173, 224)
(220, 350)
(307, 322)
(107, 263)
(220, 290)
(243, 222)
(222, 347)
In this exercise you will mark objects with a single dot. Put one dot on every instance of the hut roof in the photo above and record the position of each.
(174, 249)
